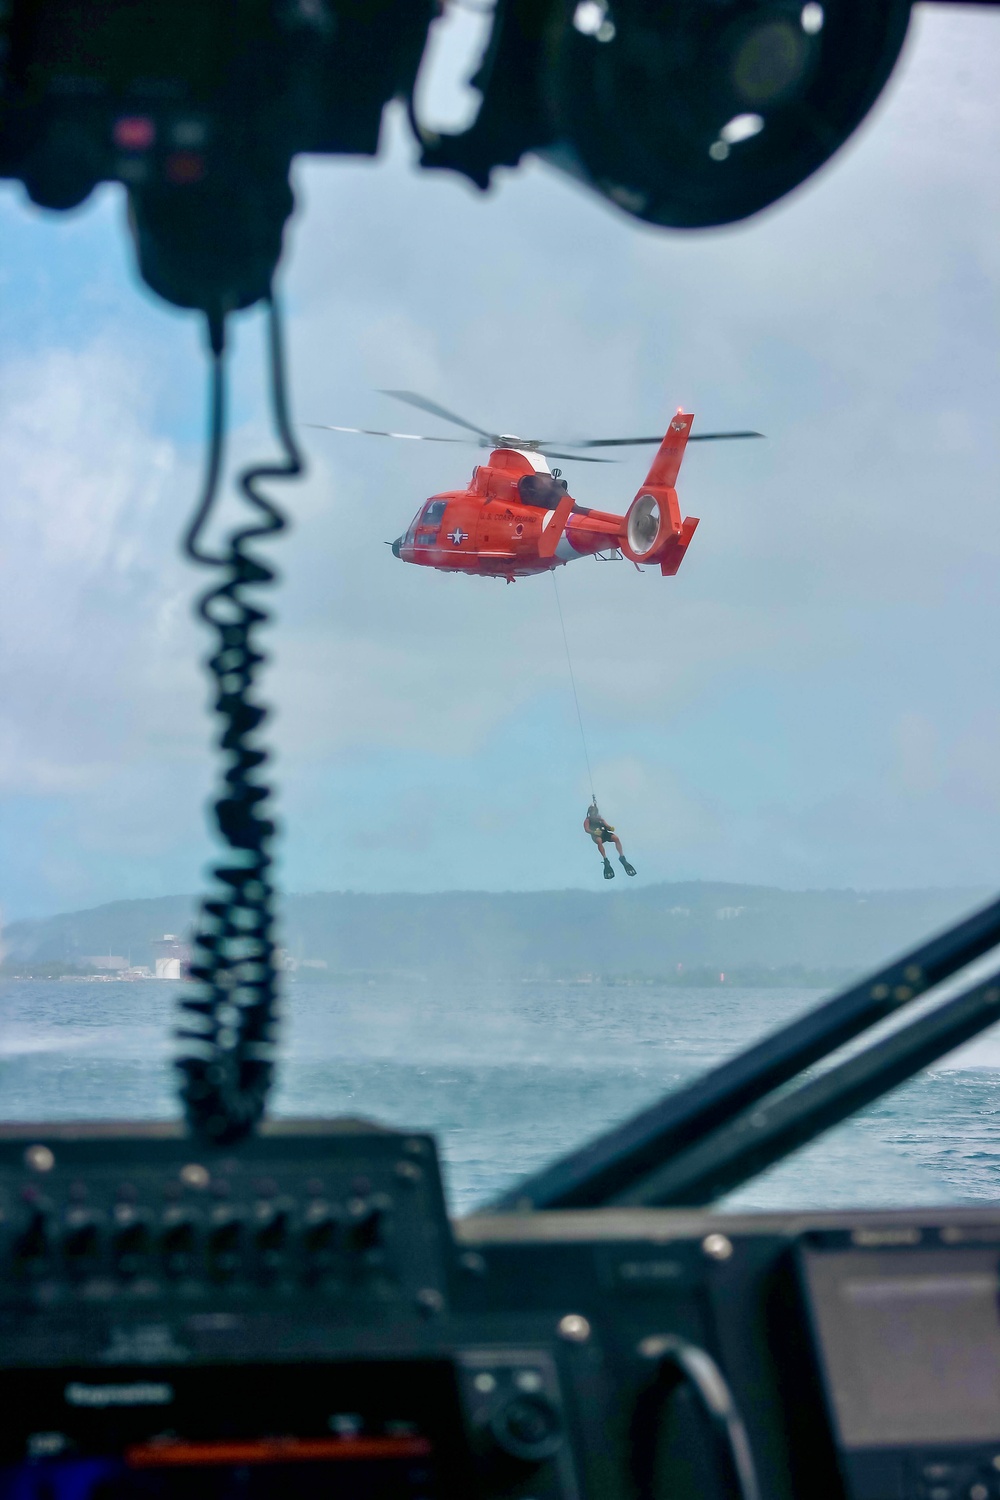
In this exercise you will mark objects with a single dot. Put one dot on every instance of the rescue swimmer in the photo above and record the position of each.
(600, 829)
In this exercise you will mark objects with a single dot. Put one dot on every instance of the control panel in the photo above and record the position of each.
(297, 1316)
(341, 1216)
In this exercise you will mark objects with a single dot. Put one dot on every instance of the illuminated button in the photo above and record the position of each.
(189, 132)
(346, 1424)
(134, 133)
(574, 1327)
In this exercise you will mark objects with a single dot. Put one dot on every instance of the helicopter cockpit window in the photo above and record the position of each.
(429, 523)
(425, 526)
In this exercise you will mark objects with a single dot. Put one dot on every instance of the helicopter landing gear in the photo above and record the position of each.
(609, 873)
(629, 869)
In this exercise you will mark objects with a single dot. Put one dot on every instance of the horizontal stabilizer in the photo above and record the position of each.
(673, 553)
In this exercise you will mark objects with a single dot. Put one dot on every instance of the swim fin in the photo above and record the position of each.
(609, 873)
(629, 869)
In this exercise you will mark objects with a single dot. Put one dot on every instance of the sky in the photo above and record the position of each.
(812, 702)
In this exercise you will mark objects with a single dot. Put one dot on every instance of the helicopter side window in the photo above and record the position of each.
(433, 514)
(540, 490)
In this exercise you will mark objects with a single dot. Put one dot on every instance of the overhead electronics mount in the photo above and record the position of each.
(682, 113)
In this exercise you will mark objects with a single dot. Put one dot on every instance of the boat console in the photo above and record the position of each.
(298, 1316)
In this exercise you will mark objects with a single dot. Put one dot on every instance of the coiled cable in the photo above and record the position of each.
(228, 1023)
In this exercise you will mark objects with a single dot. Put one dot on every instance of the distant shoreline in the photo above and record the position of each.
(786, 976)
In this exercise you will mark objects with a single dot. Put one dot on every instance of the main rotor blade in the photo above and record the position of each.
(579, 458)
(695, 437)
(412, 399)
(410, 437)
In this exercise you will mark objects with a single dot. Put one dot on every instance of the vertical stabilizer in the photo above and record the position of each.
(652, 530)
(666, 465)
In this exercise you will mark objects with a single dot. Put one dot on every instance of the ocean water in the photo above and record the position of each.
(508, 1076)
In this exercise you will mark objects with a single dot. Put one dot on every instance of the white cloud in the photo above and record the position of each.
(82, 569)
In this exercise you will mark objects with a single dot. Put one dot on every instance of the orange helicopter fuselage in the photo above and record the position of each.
(518, 518)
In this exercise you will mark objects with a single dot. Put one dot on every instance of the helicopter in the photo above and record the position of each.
(517, 517)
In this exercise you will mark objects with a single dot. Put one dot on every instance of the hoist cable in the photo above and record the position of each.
(228, 1022)
(572, 678)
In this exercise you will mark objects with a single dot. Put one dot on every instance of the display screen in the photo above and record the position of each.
(388, 1431)
(909, 1344)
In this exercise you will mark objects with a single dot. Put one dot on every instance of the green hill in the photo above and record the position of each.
(638, 931)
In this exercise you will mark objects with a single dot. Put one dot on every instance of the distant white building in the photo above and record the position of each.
(172, 956)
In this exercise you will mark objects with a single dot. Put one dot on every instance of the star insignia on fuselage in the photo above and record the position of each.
(458, 536)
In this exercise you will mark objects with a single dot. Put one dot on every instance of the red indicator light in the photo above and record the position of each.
(273, 1451)
(183, 167)
(134, 133)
